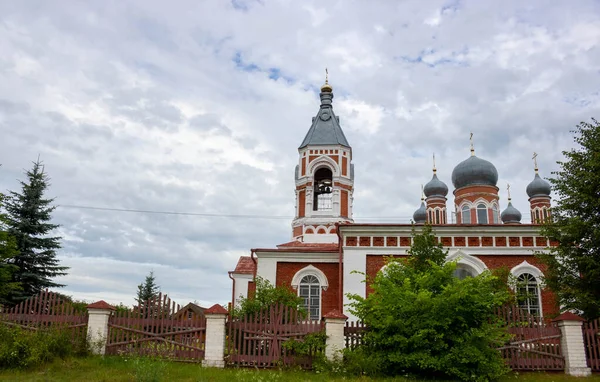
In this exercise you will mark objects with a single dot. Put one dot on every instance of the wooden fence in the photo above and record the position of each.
(158, 328)
(48, 310)
(257, 340)
(591, 335)
(535, 343)
(353, 334)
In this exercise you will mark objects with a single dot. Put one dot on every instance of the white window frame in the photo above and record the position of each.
(311, 270)
(534, 271)
(485, 209)
(465, 210)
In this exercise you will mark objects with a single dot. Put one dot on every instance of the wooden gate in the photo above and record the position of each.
(354, 332)
(591, 335)
(48, 310)
(535, 344)
(256, 340)
(157, 328)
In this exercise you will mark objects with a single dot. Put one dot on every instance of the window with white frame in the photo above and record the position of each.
(466, 215)
(482, 214)
(495, 214)
(528, 294)
(310, 291)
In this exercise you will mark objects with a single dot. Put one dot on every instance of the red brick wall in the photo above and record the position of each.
(301, 203)
(329, 297)
(344, 206)
(549, 305)
(344, 166)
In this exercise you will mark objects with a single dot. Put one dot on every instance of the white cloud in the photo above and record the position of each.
(143, 106)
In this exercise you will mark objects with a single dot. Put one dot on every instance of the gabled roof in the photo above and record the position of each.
(245, 266)
(325, 128)
(193, 307)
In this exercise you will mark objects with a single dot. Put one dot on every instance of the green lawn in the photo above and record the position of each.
(122, 369)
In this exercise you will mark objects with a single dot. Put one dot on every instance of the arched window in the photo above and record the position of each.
(482, 214)
(495, 214)
(438, 220)
(466, 215)
(462, 272)
(323, 190)
(310, 291)
(528, 294)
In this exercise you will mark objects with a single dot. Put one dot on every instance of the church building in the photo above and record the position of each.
(327, 246)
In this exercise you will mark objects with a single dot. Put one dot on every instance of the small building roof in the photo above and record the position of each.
(245, 266)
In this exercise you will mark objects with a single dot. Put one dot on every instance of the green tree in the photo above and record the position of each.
(423, 320)
(28, 220)
(267, 295)
(8, 250)
(573, 267)
(147, 290)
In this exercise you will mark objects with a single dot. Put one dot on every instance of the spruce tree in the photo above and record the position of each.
(29, 222)
(574, 264)
(147, 290)
(8, 250)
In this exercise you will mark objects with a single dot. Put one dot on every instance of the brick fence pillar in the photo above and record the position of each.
(214, 348)
(572, 344)
(334, 329)
(97, 331)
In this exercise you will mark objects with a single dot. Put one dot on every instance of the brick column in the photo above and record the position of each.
(214, 348)
(334, 329)
(572, 344)
(97, 331)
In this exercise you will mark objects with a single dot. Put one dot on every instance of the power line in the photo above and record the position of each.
(205, 214)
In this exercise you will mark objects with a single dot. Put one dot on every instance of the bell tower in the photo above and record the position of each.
(324, 177)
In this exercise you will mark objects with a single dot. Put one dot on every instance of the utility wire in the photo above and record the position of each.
(202, 214)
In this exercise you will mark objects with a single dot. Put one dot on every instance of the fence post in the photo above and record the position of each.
(572, 344)
(97, 331)
(335, 321)
(214, 350)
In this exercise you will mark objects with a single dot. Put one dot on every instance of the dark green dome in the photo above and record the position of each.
(474, 171)
(510, 215)
(435, 187)
(538, 187)
(420, 215)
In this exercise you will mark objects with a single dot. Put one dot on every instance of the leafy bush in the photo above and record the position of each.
(22, 348)
(424, 321)
(266, 296)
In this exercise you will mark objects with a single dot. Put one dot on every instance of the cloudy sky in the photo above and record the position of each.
(199, 107)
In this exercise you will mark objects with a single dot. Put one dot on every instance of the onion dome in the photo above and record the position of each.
(511, 215)
(474, 172)
(435, 187)
(538, 187)
(420, 215)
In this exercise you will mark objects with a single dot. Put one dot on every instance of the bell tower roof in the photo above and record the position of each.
(325, 128)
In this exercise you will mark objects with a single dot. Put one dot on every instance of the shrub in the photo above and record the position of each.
(265, 297)
(424, 321)
(22, 348)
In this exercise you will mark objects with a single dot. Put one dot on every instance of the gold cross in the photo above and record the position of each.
(508, 190)
(535, 161)
(472, 148)
(434, 170)
(326, 76)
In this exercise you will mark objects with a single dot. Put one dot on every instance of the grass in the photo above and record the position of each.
(117, 369)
